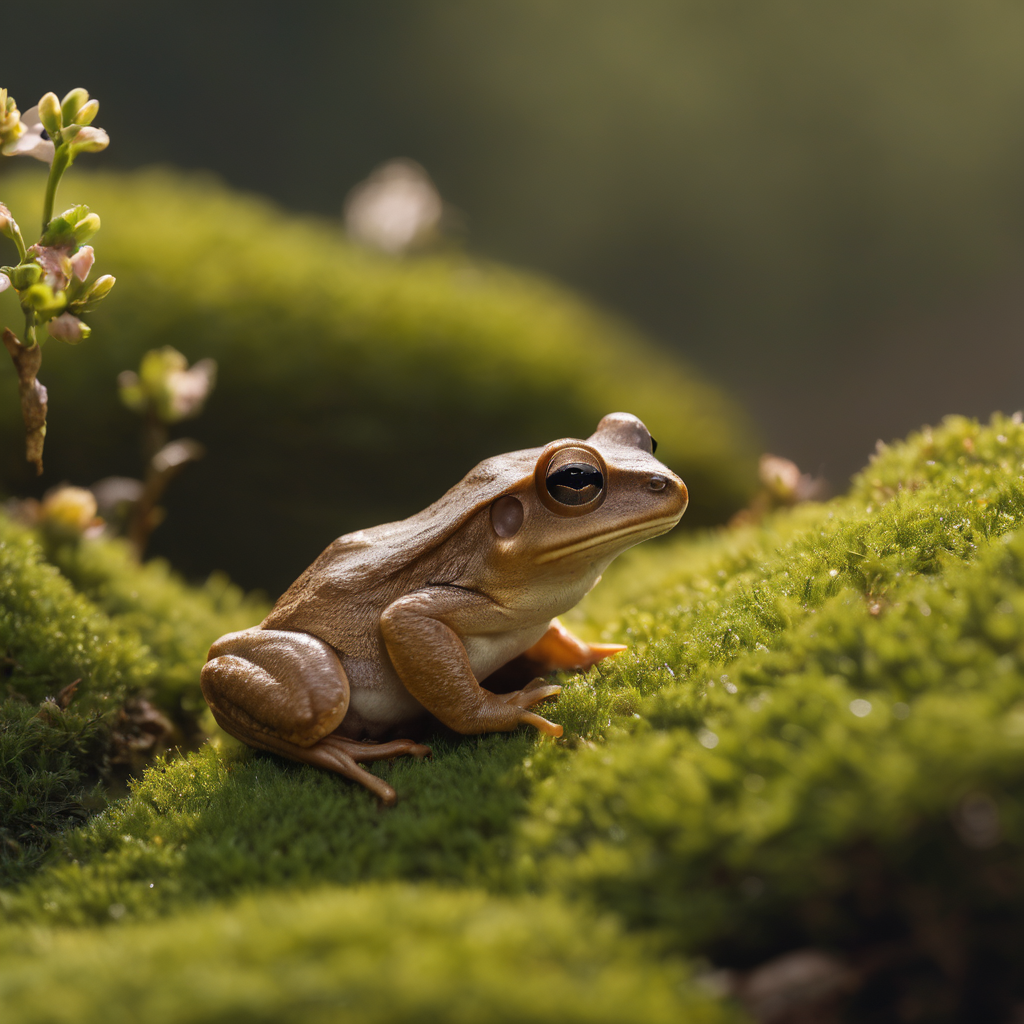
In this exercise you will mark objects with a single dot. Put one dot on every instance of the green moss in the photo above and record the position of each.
(176, 621)
(353, 388)
(51, 635)
(816, 739)
(371, 953)
(833, 756)
(120, 630)
(208, 826)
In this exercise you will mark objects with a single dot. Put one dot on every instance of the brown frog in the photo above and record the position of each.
(395, 624)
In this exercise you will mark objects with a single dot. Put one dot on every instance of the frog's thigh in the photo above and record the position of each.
(264, 684)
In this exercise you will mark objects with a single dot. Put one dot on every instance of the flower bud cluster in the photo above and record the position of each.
(51, 276)
(11, 128)
(68, 122)
(51, 279)
(166, 386)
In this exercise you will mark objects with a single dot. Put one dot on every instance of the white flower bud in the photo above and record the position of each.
(72, 104)
(86, 227)
(8, 225)
(88, 112)
(50, 115)
(67, 327)
(86, 139)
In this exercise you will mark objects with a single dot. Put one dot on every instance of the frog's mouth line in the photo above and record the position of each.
(604, 538)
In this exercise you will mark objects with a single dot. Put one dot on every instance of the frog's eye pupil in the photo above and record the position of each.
(575, 483)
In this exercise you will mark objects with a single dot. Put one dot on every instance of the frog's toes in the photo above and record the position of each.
(532, 694)
(541, 724)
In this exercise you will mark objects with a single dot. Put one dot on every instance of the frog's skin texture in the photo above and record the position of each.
(398, 624)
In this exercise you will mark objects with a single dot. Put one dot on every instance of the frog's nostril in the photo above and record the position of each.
(657, 483)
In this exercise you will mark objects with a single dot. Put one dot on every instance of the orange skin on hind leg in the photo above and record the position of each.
(558, 649)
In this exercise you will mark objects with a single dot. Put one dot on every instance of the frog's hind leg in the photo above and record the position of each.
(269, 683)
(558, 648)
(287, 692)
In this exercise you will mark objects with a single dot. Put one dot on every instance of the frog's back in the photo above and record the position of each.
(358, 575)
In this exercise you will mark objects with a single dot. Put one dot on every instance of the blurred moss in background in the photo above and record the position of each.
(353, 388)
(818, 202)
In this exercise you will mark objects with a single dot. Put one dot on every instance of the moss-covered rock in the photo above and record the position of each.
(353, 388)
(815, 741)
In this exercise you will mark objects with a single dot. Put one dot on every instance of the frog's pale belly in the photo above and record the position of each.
(381, 703)
(488, 652)
(377, 698)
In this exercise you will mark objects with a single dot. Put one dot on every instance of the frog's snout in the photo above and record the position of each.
(671, 488)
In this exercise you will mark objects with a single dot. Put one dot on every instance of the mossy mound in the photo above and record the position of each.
(815, 742)
(353, 388)
(375, 954)
(77, 646)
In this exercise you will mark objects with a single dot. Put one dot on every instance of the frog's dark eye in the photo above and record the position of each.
(575, 483)
(571, 479)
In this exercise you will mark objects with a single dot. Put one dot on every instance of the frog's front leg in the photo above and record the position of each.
(287, 692)
(422, 632)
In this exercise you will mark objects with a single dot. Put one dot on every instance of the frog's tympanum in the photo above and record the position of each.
(394, 628)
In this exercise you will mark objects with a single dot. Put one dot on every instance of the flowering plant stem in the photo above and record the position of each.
(50, 276)
(57, 168)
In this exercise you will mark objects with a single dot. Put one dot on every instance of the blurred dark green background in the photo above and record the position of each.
(820, 203)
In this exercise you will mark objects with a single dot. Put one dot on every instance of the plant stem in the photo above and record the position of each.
(19, 243)
(57, 169)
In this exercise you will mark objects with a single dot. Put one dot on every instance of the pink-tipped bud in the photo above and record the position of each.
(67, 327)
(82, 261)
(87, 139)
(8, 225)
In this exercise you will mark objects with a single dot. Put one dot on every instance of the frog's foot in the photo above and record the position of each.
(560, 649)
(373, 750)
(336, 754)
(534, 693)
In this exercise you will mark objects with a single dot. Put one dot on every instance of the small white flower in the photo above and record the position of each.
(396, 208)
(189, 389)
(31, 143)
(5, 282)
